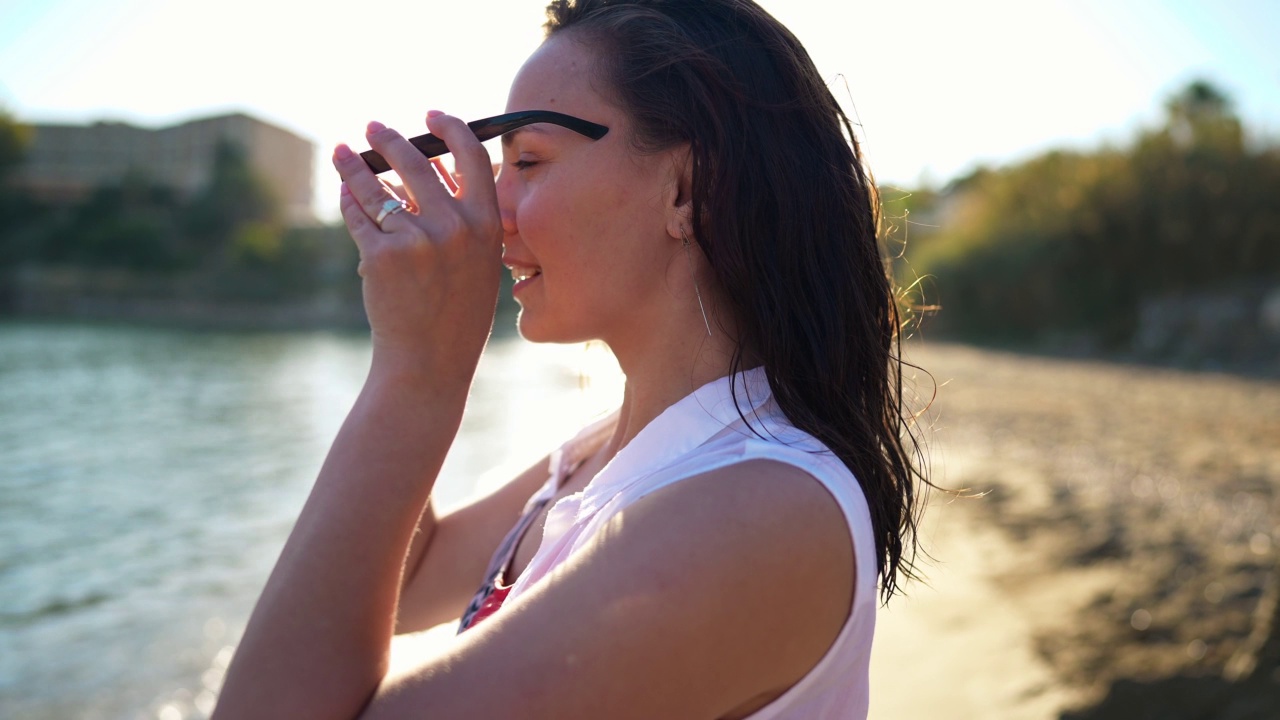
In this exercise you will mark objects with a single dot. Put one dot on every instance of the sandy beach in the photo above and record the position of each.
(1120, 561)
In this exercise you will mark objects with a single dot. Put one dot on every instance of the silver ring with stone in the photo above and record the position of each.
(389, 208)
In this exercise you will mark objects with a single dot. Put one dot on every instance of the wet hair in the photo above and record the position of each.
(787, 215)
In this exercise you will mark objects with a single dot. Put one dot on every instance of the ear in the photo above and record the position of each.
(678, 200)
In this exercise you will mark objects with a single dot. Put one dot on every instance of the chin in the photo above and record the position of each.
(533, 331)
(530, 330)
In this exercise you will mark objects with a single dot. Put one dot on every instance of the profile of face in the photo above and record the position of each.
(588, 225)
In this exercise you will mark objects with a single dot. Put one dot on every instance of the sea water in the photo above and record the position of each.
(149, 478)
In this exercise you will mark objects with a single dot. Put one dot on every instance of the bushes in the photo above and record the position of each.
(227, 242)
(1073, 243)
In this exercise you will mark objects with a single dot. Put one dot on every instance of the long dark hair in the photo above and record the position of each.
(787, 215)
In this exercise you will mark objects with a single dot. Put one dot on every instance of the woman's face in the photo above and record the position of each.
(585, 222)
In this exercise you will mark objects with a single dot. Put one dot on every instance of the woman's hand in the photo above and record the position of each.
(430, 273)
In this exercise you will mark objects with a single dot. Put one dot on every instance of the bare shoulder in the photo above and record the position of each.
(778, 543)
(762, 490)
(755, 511)
(711, 594)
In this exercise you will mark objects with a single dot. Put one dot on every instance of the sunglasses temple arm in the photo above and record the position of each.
(487, 129)
(431, 146)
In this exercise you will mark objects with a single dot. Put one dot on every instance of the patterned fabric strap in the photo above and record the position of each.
(492, 593)
(562, 463)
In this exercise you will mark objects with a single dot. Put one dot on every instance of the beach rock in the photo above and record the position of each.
(1210, 329)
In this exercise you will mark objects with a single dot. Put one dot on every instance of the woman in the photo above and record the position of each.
(711, 550)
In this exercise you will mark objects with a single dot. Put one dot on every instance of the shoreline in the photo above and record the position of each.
(203, 300)
(1124, 555)
(955, 646)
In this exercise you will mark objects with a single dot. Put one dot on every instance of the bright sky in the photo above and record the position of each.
(938, 85)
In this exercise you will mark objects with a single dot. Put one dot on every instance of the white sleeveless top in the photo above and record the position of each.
(700, 433)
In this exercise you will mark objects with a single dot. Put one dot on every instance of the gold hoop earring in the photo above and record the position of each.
(692, 274)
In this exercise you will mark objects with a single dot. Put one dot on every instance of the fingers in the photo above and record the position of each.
(399, 191)
(423, 183)
(366, 191)
(428, 186)
(359, 224)
(445, 175)
(473, 168)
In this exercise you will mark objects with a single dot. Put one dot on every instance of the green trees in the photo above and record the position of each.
(135, 224)
(138, 241)
(1073, 243)
(13, 141)
(13, 206)
(236, 217)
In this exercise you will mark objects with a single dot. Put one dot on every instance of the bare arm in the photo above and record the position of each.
(318, 640)
(449, 554)
(709, 594)
(343, 540)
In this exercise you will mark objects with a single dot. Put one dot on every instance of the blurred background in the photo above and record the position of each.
(1081, 202)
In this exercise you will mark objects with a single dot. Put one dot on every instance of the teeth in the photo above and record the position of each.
(519, 274)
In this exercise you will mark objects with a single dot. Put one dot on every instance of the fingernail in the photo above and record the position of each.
(344, 190)
(375, 126)
(343, 152)
(434, 113)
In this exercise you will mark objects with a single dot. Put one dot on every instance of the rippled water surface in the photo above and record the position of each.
(148, 479)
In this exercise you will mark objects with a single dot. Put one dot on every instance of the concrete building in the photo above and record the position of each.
(68, 161)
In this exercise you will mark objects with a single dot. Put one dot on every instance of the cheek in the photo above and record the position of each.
(595, 227)
(567, 209)
(543, 218)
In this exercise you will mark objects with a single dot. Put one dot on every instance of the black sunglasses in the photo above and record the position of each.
(490, 128)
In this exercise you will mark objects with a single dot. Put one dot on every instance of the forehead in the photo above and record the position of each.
(558, 76)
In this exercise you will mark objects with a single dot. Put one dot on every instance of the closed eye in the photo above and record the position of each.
(523, 164)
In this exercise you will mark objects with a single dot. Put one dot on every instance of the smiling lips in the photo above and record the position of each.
(520, 273)
(523, 273)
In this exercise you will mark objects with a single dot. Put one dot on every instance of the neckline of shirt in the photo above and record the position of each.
(683, 426)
